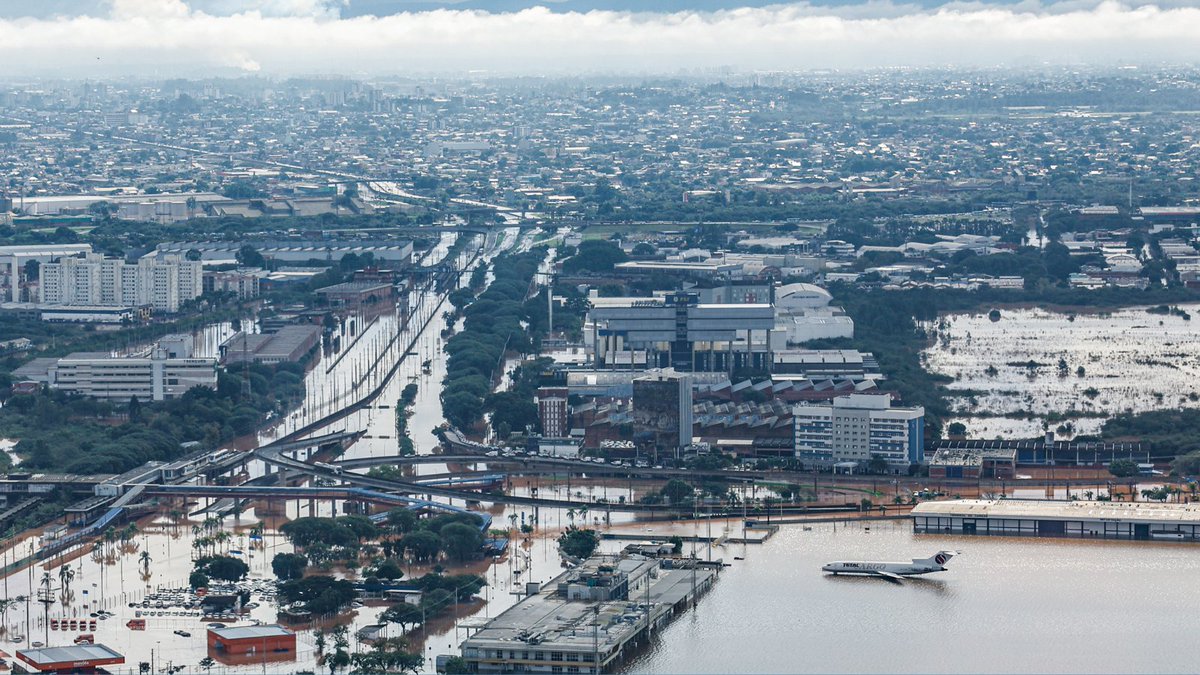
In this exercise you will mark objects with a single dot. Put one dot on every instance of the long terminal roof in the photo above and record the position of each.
(1144, 512)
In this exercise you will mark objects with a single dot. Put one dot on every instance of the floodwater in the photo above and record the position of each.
(1131, 360)
(1006, 605)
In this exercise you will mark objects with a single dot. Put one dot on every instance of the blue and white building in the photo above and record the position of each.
(857, 428)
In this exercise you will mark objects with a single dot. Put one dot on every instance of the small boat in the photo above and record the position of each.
(738, 557)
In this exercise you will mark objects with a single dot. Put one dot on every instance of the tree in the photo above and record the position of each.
(388, 569)
(1123, 468)
(677, 491)
(578, 543)
(456, 665)
(957, 429)
(388, 656)
(877, 465)
(402, 520)
(338, 661)
(422, 545)
(197, 580)
(207, 663)
(319, 594)
(289, 565)
(249, 256)
(222, 567)
(403, 614)
(460, 540)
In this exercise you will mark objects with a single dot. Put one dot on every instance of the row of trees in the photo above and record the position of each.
(491, 328)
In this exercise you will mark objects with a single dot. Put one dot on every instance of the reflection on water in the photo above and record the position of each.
(1005, 605)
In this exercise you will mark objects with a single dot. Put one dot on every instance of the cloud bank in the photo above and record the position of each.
(283, 37)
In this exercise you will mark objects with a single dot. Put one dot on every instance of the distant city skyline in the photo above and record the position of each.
(98, 38)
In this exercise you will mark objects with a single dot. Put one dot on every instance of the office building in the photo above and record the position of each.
(858, 428)
(662, 410)
(93, 280)
(677, 331)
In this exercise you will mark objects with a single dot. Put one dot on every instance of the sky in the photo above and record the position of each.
(196, 38)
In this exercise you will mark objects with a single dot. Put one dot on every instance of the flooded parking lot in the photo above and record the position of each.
(1074, 369)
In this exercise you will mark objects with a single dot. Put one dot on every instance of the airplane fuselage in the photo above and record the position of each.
(879, 568)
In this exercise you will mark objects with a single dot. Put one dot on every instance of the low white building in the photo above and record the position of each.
(154, 378)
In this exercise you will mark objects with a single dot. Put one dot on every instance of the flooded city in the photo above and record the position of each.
(1024, 366)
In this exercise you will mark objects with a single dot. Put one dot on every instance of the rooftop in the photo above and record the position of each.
(47, 657)
(1145, 512)
(250, 632)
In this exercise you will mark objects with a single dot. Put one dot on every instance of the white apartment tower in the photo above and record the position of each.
(93, 280)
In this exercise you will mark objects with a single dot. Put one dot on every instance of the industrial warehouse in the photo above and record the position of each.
(1089, 519)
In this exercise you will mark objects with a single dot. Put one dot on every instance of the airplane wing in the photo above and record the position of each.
(887, 575)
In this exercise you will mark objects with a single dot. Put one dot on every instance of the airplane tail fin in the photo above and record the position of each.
(941, 558)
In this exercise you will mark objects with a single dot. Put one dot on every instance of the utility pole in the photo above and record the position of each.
(596, 639)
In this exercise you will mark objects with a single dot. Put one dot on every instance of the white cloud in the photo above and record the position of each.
(304, 36)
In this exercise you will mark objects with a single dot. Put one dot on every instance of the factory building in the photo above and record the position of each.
(857, 428)
(384, 253)
(289, 344)
(677, 331)
(1084, 519)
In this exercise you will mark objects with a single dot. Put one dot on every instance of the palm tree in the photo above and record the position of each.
(571, 516)
(65, 576)
(145, 559)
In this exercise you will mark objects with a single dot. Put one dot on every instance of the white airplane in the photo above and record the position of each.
(893, 571)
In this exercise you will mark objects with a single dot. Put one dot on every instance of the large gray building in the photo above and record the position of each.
(677, 331)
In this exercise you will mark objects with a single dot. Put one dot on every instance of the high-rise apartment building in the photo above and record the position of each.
(93, 281)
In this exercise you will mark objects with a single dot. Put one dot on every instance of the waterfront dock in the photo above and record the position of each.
(590, 618)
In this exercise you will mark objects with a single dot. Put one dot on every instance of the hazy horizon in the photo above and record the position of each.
(197, 38)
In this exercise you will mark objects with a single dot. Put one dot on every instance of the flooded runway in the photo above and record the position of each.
(1005, 605)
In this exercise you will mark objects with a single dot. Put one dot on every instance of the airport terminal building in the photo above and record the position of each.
(1085, 519)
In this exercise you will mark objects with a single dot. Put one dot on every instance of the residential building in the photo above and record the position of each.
(858, 428)
(93, 280)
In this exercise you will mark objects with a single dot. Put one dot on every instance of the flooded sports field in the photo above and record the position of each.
(1073, 370)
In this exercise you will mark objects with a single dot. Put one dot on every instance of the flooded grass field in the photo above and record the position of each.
(1071, 369)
